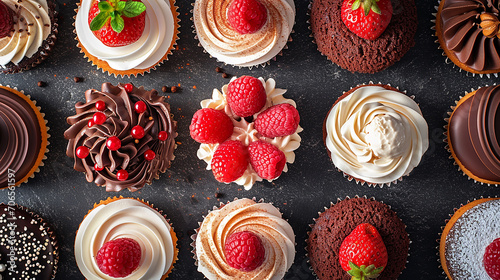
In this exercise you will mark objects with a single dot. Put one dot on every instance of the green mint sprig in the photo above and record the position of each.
(116, 10)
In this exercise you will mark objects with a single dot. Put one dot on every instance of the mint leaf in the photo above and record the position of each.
(133, 9)
(99, 21)
(105, 6)
(121, 5)
(117, 23)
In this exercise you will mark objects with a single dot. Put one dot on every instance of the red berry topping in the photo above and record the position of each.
(137, 132)
(491, 259)
(246, 16)
(90, 123)
(6, 22)
(99, 118)
(113, 143)
(210, 126)
(278, 120)
(367, 18)
(82, 152)
(244, 251)
(246, 96)
(128, 87)
(117, 24)
(149, 155)
(363, 253)
(97, 167)
(140, 107)
(119, 258)
(100, 105)
(162, 135)
(229, 161)
(266, 159)
(122, 175)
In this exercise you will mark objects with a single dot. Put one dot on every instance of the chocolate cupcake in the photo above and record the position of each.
(354, 53)
(337, 222)
(24, 138)
(28, 247)
(122, 136)
(28, 31)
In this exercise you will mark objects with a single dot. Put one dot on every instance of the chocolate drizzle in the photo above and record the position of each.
(120, 118)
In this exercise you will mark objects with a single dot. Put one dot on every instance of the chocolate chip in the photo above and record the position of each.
(225, 75)
(174, 89)
(165, 89)
(78, 79)
(218, 195)
(41, 84)
(219, 70)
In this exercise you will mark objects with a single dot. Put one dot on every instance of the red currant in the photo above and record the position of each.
(128, 87)
(99, 118)
(90, 123)
(140, 107)
(149, 155)
(82, 152)
(122, 175)
(162, 135)
(113, 143)
(100, 105)
(137, 132)
(97, 167)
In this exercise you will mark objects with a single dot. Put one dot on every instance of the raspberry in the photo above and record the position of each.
(6, 22)
(247, 16)
(210, 126)
(229, 161)
(244, 251)
(246, 96)
(491, 259)
(119, 257)
(266, 159)
(278, 120)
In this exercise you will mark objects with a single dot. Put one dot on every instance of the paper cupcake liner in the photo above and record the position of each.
(104, 66)
(50, 234)
(42, 122)
(311, 226)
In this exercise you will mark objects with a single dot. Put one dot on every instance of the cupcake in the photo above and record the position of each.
(136, 41)
(130, 228)
(467, 32)
(122, 136)
(375, 134)
(244, 224)
(248, 132)
(469, 244)
(28, 247)
(244, 33)
(336, 231)
(370, 44)
(24, 142)
(28, 31)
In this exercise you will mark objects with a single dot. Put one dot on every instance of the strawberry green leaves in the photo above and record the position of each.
(115, 10)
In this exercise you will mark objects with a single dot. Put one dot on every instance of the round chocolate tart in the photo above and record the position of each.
(338, 221)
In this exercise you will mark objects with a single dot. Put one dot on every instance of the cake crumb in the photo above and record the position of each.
(41, 84)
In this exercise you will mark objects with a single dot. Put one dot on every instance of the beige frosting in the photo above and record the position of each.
(246, 133)
(262, 219)
(31, 27)
(376, 135)
(222, 42)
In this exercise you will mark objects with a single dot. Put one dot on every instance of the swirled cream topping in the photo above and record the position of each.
(32, 26)
(227, 45)
(245, 132)
(376, 135)
(262, 219)
(125, 218)
(144, 53)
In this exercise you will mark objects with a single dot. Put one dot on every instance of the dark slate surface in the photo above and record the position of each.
(423, 200)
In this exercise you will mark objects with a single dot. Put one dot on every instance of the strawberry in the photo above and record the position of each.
(266, 159)
(362, 253)
(246, 16)
(491, 259)
(119, 257)
(6, 21)
(246, 96)
(367, 18)
(117, 23)
(278, 120)
(210, 126)
(229, 161)
(244, 251)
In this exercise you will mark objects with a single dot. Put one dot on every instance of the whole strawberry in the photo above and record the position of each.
(244, 251)
(119, 257)
(491, 259)
(266, 159)
(367, 18)
(117, 23)
(362, 253)
(210, 126)
(246, 16)
(246, 96)
(6, 21)
(278, 120)
(229, 161)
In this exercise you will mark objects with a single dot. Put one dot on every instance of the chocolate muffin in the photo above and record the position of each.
(338, 221)
(354, 53)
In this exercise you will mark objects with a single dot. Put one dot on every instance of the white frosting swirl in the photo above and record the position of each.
(376, 135)
(125, 218)
(32, 26)
(262, 219)
(246, 133)
(227, 45)
(154, 43)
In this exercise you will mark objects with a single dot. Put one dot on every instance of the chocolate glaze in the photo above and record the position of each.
(473, 130)
(121, 117)
(20, 137)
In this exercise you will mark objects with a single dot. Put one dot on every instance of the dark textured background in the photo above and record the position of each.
(423, 200)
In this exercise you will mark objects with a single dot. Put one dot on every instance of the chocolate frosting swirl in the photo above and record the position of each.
(120, 119)
(463, 35)
(474, 133)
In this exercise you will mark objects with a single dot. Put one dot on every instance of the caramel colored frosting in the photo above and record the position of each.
(120, 118)
(462, 31)
(262, 219)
